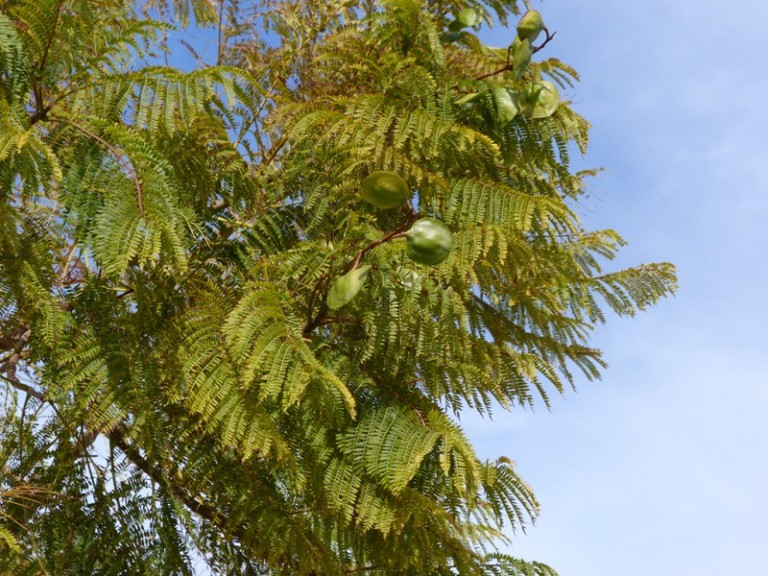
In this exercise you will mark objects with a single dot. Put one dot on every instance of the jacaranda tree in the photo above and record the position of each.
(242, 307)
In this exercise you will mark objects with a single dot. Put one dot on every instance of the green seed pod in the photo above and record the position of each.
(466, 18)
(506, 104)
(530, 26)
(428, 241)
(539, 99)
(521, 57)
(346, 287)
(385, 190)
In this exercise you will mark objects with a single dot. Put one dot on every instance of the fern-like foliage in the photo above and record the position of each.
(175, 386)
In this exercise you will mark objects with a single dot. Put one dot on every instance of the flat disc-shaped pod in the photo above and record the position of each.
(506, 104)
(539, 99)
(428, 241)
(385, 189)
(521, 57)
(346, 287)
(530, 26)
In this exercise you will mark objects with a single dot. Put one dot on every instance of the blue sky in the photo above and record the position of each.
(662, 466)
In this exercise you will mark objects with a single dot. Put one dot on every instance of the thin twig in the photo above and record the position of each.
(64, 272)
(219, 43)
(273, 153)
(19, 385)
(163, 478)
(50, 38)
(41, 110)
(399, 232)
(320, 318)
(309, 325)
(317, 320)
(547, 40)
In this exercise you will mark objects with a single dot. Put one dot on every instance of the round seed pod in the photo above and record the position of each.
(429, 241)
(530, 25)
(468, 17)
(465, 19)
(384, 189)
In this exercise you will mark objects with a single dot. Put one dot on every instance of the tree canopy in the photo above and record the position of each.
(215, 352)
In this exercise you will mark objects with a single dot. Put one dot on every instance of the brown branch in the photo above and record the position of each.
(547, 40)
(14, 345)
(8, 340)
(172, 483)
(27, 389)
(41, 110)
(309, 325)
(64, 272)
(501, 70)
(50, 38)
(155, 472)
(121, 156)
(273, 153)
(399, 232)
(318, 320)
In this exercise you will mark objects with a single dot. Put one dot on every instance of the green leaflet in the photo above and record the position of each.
(467, 98)
(346, 287)
(7, 540)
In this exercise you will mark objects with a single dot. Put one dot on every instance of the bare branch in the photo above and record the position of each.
(173, 483)
(19, 385)
(547, 40)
